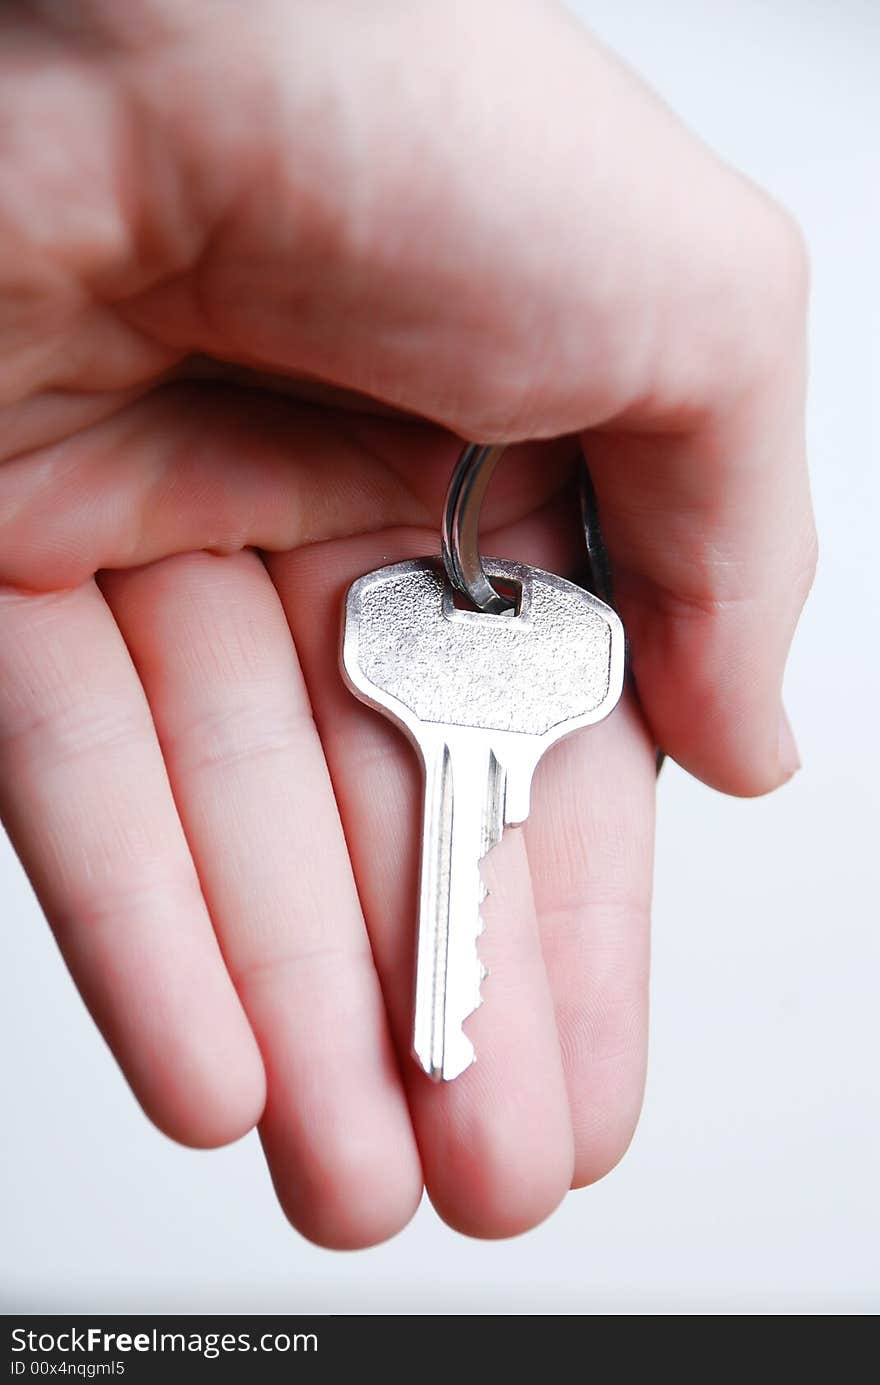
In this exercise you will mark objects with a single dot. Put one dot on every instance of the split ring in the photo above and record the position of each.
(460, 529)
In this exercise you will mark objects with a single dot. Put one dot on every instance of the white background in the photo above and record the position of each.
(752, 1185)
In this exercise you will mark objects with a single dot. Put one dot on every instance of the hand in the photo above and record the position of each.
(223, 231)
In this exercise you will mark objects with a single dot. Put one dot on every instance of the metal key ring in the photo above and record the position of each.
(460, 534)
(460, 529)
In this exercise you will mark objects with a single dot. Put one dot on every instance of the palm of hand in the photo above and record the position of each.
(201, 881)
(223, 840)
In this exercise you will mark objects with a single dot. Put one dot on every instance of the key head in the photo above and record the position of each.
(555, 665)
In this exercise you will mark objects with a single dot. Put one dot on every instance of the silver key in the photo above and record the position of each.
(482, 697)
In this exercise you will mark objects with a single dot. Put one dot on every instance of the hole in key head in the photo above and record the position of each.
(507, 587)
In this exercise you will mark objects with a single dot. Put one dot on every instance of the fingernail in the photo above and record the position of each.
(789, 759)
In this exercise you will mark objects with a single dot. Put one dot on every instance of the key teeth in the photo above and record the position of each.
(482, 969)
(494, 836)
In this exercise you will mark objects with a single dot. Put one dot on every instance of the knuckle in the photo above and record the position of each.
(779, 268)
(788, 254)
(66, 731)
(239, 734)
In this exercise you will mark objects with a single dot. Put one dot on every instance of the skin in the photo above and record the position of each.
(261, 267)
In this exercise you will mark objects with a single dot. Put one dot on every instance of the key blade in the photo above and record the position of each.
(463, 819)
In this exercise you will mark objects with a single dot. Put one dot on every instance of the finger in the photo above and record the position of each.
(213, 650)
(496, 1143)
(192, 466)
(86, 800)
(712, 548)
(196, 466)
(589, 838)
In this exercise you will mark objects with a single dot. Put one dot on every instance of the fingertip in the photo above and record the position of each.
(503, 1181)
(360, 1194)
(742, 772)
(602, 1148)
(499, 1213)
(712, 703)
(205, 1101)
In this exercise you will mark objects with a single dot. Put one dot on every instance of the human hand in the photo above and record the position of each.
(473, 214)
